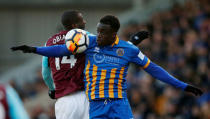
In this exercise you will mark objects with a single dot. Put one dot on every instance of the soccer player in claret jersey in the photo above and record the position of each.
(107, 61)
(67, 72)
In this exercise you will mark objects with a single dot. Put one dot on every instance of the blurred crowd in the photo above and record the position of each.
(180, 43)
(29, 92)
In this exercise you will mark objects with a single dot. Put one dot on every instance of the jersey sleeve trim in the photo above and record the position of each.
(147, 64)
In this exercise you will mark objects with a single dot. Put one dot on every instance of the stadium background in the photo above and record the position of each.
(180, 43)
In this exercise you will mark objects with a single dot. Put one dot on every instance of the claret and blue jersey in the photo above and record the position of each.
(106, 68)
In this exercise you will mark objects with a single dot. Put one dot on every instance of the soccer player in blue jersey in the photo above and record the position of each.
(67, 72)
(107, 61)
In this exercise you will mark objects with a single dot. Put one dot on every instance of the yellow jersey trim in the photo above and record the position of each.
(147, 64)
(116, 41)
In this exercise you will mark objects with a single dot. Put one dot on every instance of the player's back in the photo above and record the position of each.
(67, 71)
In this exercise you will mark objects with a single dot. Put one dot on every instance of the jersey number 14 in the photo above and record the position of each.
(65, 60)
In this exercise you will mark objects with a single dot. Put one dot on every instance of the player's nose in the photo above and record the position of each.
(99, 35)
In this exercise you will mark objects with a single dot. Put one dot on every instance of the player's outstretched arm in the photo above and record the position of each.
(161, 74)
(49, 51)
(138, 37)
(157, 71)
(24, 49)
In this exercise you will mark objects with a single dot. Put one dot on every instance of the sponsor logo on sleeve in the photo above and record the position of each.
(141, 55)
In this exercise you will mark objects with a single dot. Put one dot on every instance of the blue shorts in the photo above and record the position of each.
(110, 109)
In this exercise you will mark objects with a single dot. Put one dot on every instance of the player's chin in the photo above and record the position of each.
(99, 42)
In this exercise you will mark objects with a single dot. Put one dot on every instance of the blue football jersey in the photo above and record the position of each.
(106, 68)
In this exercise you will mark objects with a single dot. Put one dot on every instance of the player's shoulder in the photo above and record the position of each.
(57, 38)
(92, 39)
(130, 49)
(91, 36)
(128, 45)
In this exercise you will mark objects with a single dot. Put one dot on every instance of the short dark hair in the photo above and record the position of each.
(111, 20)
(68, 18)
